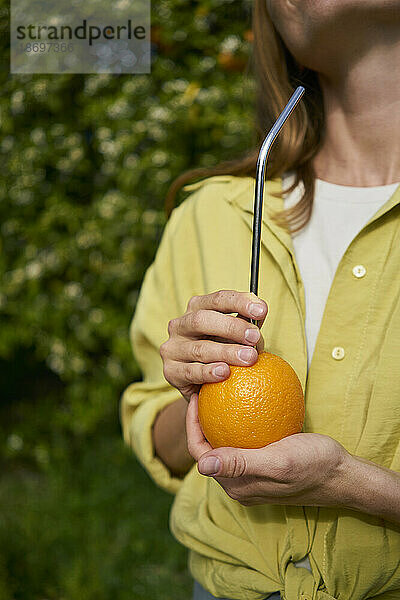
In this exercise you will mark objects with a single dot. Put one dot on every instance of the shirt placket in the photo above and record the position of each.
(341, 344)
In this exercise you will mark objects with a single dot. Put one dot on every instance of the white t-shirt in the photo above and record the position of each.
(339, 212)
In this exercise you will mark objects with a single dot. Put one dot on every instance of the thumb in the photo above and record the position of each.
(225, 462)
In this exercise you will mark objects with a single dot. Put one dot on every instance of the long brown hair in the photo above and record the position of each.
(277, 75)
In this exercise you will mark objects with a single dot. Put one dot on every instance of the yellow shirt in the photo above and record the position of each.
(352, 393)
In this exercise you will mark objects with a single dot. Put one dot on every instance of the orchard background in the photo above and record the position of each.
(86, 161)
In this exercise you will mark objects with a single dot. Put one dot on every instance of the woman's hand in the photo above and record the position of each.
(207, 339)
(301, 469)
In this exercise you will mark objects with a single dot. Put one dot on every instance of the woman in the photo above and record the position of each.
(317, 514)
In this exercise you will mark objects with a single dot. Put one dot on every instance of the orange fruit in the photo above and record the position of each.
(254, 407)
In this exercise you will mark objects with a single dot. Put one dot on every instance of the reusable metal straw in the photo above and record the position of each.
(259, 191)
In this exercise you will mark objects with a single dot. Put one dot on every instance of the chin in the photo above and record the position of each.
(320, 32)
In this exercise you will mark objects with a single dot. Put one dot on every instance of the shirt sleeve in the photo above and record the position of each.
(169, 282)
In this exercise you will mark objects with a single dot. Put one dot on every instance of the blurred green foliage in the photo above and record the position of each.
(86, 161)
(91, 528)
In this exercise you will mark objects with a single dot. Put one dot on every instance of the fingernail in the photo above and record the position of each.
(219, 371)
(256, 309)
(210, 465)
(252, 335)
(246, 354)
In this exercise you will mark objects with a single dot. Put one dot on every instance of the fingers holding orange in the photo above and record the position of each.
(207, 339)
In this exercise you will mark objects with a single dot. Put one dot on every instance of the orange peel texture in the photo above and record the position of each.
(254, 407)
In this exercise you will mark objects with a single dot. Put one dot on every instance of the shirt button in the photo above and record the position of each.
(338, 353)
(359, 271)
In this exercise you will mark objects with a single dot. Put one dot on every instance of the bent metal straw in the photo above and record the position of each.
(259, 191)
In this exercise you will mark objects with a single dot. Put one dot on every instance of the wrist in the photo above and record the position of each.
(369, 488)
(348, 493)
(342, 486)
(169, 437)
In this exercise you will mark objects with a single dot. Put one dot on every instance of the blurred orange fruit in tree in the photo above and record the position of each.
(255, 406)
